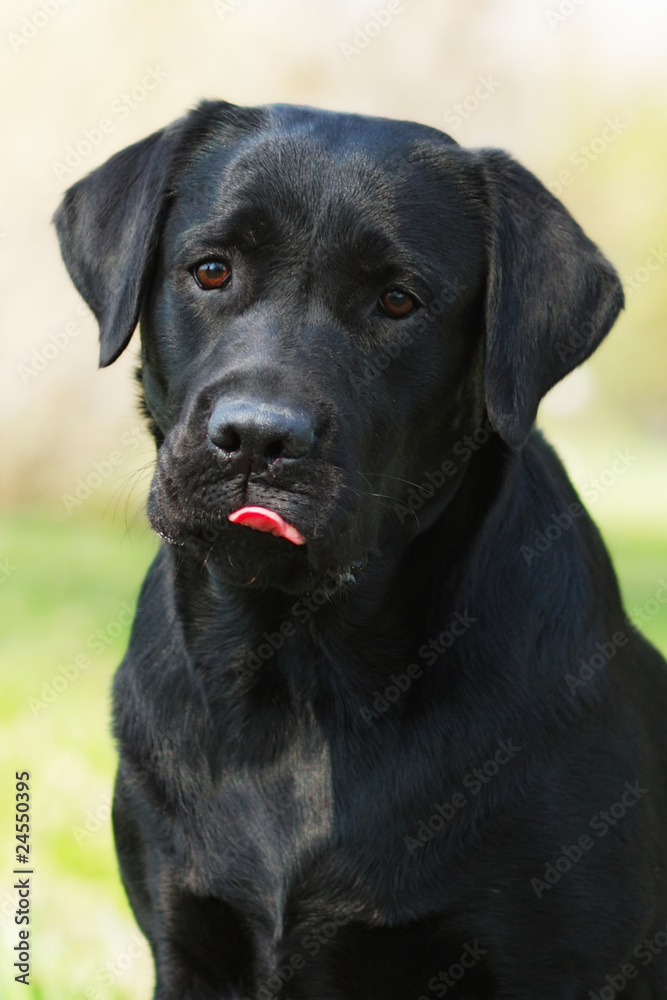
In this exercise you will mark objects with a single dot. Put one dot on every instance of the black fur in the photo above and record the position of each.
(370, 766)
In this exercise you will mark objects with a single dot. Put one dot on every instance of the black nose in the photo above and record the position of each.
(260, 430)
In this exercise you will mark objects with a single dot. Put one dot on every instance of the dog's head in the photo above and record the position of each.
(329, 304)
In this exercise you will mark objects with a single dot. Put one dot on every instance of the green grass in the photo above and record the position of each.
(72, 576)
(640, 559)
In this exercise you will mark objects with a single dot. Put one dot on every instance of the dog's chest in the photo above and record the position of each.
(257, 830)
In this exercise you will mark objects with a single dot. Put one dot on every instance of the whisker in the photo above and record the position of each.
(396, 478)
(134, 478)
(365, 475)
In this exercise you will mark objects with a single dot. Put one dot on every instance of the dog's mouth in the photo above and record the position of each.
(294, 530)
(263, 519)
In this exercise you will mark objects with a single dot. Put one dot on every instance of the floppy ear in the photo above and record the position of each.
(552, 296)
(108, 225)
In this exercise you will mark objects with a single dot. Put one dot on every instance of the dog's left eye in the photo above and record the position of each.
(211, 273)
(397, 303)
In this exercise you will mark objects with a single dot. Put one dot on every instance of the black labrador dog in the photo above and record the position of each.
(385, 730)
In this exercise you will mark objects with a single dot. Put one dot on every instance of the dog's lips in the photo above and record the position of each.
(263, 519)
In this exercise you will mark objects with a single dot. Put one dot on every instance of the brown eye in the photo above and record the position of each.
(211, 274)
(397, 303)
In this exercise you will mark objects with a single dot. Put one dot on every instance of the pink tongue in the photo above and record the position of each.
(262, 519)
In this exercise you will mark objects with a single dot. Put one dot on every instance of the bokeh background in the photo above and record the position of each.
(574, 88)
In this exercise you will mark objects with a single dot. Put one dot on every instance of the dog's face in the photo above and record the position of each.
(290, 264)
(329, 303)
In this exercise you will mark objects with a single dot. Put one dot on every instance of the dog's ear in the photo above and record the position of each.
(108, 225)
(551, 298)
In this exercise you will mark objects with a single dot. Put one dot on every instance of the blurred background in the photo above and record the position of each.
(575, 89)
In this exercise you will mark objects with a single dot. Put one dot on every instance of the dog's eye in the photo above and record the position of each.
(211, 273)
(397, 303)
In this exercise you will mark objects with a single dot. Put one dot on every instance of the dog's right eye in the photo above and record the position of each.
(211, 274)
(397, 304)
